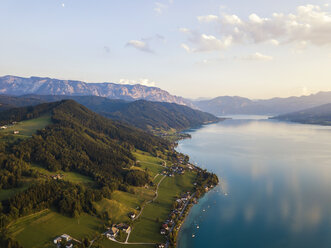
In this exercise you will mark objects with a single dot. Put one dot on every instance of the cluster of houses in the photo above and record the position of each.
(57, 177)
(171, 171)
(66, 238)
(175, 213)
(5, 127)
(113, 231)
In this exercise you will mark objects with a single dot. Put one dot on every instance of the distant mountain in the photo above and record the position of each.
(150, 116)
(12, 85)
(319, 115)
(227, 105)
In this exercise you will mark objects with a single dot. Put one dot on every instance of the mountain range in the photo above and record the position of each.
(319, 115)
(13, 85)
(219, 106)
(227, 105)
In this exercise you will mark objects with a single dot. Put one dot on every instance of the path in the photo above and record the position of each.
(141, 211)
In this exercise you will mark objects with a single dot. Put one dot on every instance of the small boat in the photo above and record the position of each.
(193, 235)
(198, 227)
(204, 210)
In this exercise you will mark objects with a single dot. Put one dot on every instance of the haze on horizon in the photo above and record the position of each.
(191, 48)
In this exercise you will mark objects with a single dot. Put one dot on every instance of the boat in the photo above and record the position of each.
(193, 235)
(198, 227)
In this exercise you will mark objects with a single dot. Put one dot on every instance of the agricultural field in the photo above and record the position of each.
(27, 128)
(122, 203)
(146, 161)
(105, 243)
(72, 177)
(147, 228)
(38, 230)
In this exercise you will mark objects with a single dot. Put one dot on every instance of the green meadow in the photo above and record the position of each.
(39, 230)
(72, 177)
(27, 128)
(146, 161)
(147, 229)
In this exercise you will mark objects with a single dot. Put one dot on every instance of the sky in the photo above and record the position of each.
(192, 48)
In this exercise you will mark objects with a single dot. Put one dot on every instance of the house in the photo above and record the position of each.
(16, 132)
(160, 245)
(69, 245)
(165, 226)
(57, 240)
(163, 232)
(112, 233)
(132, 215)
(66, 237)
(3, 127)
(124, 227)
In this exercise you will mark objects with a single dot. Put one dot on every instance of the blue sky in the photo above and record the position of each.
(193, 48)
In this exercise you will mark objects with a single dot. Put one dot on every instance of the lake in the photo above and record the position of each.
(275, 188)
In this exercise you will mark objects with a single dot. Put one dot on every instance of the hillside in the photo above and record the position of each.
(319, 115)
(226, 105)
(70, 170)
(149, 116)
(80, 140)
(12, 85)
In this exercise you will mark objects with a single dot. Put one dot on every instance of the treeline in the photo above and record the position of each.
(26, 113)
(68, 199)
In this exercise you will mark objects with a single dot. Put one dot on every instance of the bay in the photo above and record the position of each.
(275, 188)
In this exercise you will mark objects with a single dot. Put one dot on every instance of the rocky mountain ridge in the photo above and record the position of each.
(13, 85)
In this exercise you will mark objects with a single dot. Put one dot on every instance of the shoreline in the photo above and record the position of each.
(186, 213)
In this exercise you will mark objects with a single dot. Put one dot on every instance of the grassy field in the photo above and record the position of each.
(8, 193)
(72, 177)
(105, 243)
(147, 229)
(39, 230)
(146, 161)
(27, 128)
(122, 203)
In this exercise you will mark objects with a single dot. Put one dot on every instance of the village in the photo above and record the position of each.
(4, 127)
(120, 232)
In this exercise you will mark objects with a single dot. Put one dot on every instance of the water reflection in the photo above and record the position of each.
(275, 189)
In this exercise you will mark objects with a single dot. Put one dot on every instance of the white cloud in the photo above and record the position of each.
(140, 45)
(142, 81)
(308, 24)
(204, 42)
(257, 57)
(63, 5)
(160, 7)
(208, 18)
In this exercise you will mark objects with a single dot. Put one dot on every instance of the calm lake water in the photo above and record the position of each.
(275, 186)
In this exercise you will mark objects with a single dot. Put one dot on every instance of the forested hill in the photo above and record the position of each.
(75, 140)
(319, 115)
(82, 141)
(143, 114)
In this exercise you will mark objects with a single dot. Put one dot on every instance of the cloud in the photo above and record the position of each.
(208, 18)
(142, 81)
(204, 42)
(257, 57)
(308, 24)
(160, 7)
(63, 5)
(140, 45)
